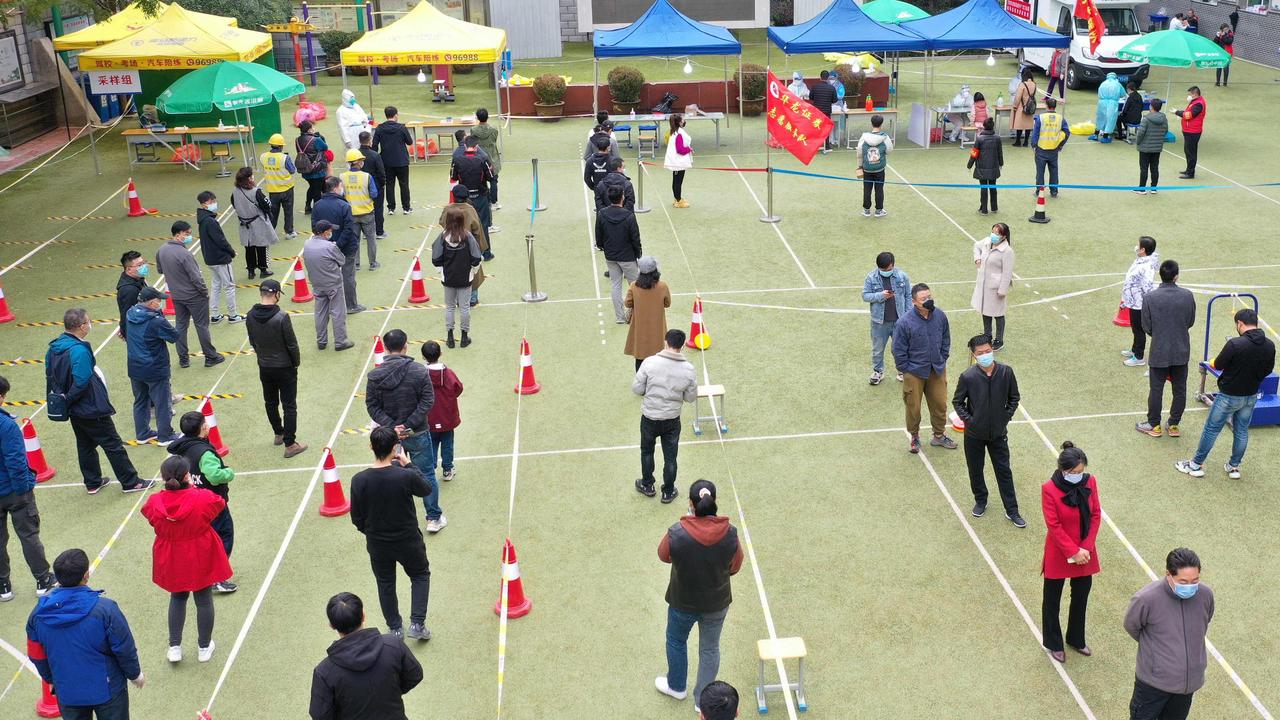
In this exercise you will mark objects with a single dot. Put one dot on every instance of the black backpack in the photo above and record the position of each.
(664, 105)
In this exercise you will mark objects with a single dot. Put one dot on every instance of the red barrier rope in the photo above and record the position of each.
(720, 169)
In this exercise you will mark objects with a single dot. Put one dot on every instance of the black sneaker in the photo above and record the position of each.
(226, 586)
(979, 509)
(646, 490)
(139, 486)
(215, 319)
(1017, 520)
(215, 360)
(46, 584)
(184, 364)
(6, 590)
(669, 496)
(93, 488)
(344, 346)
(398, 632)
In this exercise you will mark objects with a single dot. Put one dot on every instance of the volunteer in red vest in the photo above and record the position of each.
(1192, 127)
(277, 181)
(361, 190)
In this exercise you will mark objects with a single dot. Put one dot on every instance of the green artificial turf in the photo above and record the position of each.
(858, 547)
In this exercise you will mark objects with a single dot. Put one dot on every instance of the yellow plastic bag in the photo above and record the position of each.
(1083, 128)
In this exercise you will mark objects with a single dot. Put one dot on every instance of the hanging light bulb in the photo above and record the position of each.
(422, 76)
(991, 60)
(688, 67)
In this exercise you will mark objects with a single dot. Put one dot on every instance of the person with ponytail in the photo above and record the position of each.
(703, 551)
(1072, 515)
(188, 556)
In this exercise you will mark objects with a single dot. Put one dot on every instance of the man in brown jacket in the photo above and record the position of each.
(1170, 618)
(474, 227)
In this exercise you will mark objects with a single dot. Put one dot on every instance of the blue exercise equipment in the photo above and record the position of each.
(1267, 411)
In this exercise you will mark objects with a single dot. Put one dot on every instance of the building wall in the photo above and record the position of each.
(533, 26)
(569, 22)
(1257, 36)
(576, 22)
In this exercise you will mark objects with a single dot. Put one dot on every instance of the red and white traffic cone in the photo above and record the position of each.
(215, 436)
(47, 706)
(1122, 317)
(5, 315)
(379, 351)
(517, 604)
(35, 456)
(134, 203)
(168, 305)
(699, 338)
(956, 423)
(335, 500)
(528, 385)
(417, 288)
(301, 289)
(1039, 217)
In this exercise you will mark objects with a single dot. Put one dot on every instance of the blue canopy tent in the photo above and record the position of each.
(844, 27)
(663, 31)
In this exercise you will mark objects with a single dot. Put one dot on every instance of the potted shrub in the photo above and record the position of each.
(549, 90)
(333, 42)
(751, 88)
(853, 77)
(388, 69)
(625, 86)
(464, 69)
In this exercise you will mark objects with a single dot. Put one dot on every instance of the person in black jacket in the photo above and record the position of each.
(475, 172)
(1130, 112)
(618, 235)
(986, 159)
(373, 165)
(615, 178)
(398, 395)
(393, 142)
(365, 673)
(382, 510)
(457, 253)
(218, 254)
(276, 347)
(597, 163)
(823, 96)
(1244, 362)
(131, 282)
(986, 399)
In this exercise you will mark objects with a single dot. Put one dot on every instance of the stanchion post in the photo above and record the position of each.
(533, 295)
(769, 217)
(538, 199)
(640, 208)
(93, 144)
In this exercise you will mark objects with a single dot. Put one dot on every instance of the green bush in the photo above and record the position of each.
(852, 83)
(626, 84)
(333, 42)
(549, 89)
(752, 82)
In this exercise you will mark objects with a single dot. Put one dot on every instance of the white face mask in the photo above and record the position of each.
(1190, 98)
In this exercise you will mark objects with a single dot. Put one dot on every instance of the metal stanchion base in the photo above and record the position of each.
(533, 297)
(770, 219)
(540, 208)
(641, 210)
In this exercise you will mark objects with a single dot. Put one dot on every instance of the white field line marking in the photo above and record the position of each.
(742, 519)
(591, 239)
(302, 507)
(21, 656)
(1004, 583)
(64, 231)
(1199, 166)
(1115, 529)
(859, 311)
(775, 227)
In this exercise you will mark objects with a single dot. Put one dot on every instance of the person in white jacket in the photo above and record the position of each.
(873, 157)
(352, 120)
(1139, 280)
(993, 256)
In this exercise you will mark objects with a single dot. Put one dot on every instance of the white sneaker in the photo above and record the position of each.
(206, 653)
(449, 475)
(1134, 361)
(494, 229)
(660, 682)
(1190, 468)
(876, 378)
(175, 653)
(1126, 353)
(882, 213)
(866, 213)
(899, 377)
(1233, 472)
(435, 526)
(496, 206)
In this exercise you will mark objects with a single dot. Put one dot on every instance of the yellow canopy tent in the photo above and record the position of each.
(426, 36)
(123, 24)
(177, 40)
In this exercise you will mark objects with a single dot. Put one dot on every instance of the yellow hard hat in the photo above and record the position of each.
(354, 155)
(276, 139)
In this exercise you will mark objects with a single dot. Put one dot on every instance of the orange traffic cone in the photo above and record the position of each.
(1039, 217)
(956, 423)
(134, 203)
(5, 315)
(47, 706)
(215, 436)
(699, 338)
(1122, 317)
(517, 604)
(417, 288)
(335, 500)
(379, 351)
(168, 305)
(528, 385)
(35, 456)
(301, 289)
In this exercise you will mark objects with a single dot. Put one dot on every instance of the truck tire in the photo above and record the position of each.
(1073, 77)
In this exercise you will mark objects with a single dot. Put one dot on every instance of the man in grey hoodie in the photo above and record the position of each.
(666, 381)
(1168, 313)
(190, 294)
(1170, 618)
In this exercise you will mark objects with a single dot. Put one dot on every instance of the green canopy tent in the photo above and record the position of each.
(893, 12)
(1174, 49)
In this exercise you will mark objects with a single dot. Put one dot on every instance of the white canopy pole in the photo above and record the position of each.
(595, 88)
(725, 58)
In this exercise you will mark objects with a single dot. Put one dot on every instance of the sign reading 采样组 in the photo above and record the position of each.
(114, 82)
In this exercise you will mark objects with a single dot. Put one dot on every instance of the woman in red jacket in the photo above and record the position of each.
(1072, 515)
(187, 556)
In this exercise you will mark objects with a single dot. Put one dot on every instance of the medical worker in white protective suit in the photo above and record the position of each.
(1110, 92)
(352, 120)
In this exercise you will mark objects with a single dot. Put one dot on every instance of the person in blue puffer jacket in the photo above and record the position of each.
(81, 644)
(150, 372)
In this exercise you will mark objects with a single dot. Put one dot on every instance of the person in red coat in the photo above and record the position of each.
(1072, 515)
(187, 556)
(443, 417)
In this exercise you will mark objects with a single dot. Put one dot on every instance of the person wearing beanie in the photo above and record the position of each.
(646, 304)
(149, 369)
(459, 194)
(276, 347)
(361, 190)
(277, 180)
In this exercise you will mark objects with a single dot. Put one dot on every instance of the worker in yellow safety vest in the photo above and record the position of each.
(1048, 137)
(277, 179)
(361, 190)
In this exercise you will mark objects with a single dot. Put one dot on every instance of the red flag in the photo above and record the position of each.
(794, 123)
(1087, 10)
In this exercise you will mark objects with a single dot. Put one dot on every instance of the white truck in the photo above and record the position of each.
(1083, 66)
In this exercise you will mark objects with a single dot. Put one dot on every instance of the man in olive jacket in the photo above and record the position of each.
(276, 347)
(986, 399)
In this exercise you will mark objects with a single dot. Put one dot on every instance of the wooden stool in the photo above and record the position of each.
(713, 394)
(781, 649)
(221, 151)
(648, 135)
(968, 135)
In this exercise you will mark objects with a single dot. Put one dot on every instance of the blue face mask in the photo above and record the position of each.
(212, 207)
(886, 273)
(1186, 592)
(1073, 478)
(144, 270)
(996, 239)
(186, 239)
(986, 359)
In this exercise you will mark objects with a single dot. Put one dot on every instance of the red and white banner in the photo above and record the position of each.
(796, 125)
